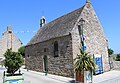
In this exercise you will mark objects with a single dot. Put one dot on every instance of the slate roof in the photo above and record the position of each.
(57, 28)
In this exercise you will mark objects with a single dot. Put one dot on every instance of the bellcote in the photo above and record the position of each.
(88, 4)
(42, 21)
(87, 1)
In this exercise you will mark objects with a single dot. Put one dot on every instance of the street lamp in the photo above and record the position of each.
(82, 22)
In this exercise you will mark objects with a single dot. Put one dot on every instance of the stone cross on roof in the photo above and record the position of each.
(87, 1)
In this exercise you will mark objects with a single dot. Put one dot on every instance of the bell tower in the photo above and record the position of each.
(42, 21)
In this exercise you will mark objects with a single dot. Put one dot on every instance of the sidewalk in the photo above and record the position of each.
(58, 79)
(106, 77)
(39, 77)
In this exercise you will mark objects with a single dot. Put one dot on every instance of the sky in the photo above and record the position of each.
(24, 16)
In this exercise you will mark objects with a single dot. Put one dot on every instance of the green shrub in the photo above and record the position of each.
(13, 61)
(21, 50)
(118, 57)
(110, 51)
(114, 58)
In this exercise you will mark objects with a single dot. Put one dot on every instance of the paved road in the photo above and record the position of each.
(37, 77)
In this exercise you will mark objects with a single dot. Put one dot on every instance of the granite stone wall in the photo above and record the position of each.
(9, 40)
(69, 46)
(61, 65)
(95, 40)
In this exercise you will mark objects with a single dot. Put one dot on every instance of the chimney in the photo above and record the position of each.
(42, 21)
(9, 29)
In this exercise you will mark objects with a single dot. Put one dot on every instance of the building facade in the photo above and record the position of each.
(57, 43)
(9, 40)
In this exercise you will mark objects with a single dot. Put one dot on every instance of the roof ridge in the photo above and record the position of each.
(66, 14)
(61, 26)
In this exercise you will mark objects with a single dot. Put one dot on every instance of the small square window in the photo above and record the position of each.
(45, 49)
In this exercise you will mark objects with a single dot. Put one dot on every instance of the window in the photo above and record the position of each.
(55, 49)
(28, 55)
(45, 49)
(79, 29)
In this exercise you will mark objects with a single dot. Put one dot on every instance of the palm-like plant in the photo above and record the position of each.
(84, 62)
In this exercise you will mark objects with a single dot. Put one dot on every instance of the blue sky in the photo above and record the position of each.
(24, 15)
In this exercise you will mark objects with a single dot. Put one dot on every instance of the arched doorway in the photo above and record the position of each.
(45, 63)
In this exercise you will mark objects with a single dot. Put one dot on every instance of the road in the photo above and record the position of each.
(35, 77)
(38, 77)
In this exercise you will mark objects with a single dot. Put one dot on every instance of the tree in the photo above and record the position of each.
(84, 62)
(21, 50)
(13, 61)
(110, 51)
(118, 57)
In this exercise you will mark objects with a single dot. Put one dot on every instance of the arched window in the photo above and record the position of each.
(45, 49)
(79, 29)
(55, 49)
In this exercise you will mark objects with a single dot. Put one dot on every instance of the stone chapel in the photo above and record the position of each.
(56, 44)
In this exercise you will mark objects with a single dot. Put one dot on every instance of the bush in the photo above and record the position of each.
(114, 58)
(13, 61)
(118, 57)
(21, 50)
(110, 51)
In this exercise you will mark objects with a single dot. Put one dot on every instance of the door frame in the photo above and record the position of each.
(45, 63)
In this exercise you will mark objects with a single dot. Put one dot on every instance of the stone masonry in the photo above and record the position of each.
(9, 40)
(95, 39)
(65, 31)
(62, 65)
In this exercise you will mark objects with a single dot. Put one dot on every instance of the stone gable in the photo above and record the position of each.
(9, 40)
(95, 39)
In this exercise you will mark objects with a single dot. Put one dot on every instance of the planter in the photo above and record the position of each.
(16, 78)
(84, 77)
(79, 77)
